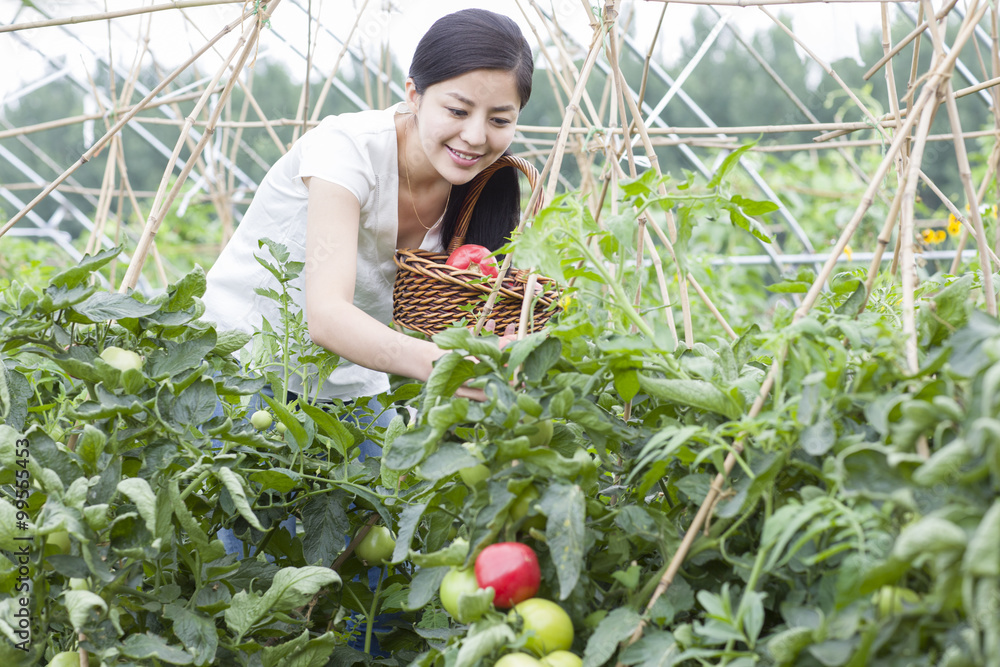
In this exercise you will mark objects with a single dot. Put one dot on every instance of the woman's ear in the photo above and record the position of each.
(412, 96)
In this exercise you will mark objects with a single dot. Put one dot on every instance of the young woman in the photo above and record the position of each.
(360, 185)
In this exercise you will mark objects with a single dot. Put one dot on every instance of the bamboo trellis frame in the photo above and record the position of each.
(606, 137)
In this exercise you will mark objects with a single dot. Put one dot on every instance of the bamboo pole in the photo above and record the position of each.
(965, 175)
(161, 205)
(912, 35)
(107, 16)
(100, 143)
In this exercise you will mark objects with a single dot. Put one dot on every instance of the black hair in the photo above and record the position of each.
(458, 43)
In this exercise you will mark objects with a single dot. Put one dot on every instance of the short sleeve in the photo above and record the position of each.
(331, 153)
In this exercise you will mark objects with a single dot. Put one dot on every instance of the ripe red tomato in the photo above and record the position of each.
(511, 569)
(546, 626)
(470, 255)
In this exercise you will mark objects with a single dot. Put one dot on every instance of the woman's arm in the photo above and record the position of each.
(330, 268)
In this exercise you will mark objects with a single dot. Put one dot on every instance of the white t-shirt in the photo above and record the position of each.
(358, 152)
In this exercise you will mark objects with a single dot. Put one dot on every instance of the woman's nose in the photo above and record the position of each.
(474, 133)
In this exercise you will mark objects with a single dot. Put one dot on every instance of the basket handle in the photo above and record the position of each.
(476, 188)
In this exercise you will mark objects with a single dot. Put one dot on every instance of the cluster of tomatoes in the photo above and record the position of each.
(511, 570)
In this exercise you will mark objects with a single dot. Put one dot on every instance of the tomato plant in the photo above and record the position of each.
(511, 570)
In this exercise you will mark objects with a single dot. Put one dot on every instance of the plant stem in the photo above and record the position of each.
(374, 609)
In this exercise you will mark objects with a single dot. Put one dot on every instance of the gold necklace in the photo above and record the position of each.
(406, 170)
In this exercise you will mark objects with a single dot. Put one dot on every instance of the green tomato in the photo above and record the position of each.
(65, 659)
(562, 659)
(538, 432)
(454, 584)
(473, 475)
(517, 660)
(261, 420)
(78, 584)
(546, 626)
(376, 547)
(121, 359)
(522, 505)
(889, 600)
(280, 427)
(59, 541)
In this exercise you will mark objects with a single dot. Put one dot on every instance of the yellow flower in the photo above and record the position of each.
(848, 252)
(928, 235)
(940, 235)
(954, 225)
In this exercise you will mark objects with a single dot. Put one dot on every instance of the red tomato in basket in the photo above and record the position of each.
(471, 256)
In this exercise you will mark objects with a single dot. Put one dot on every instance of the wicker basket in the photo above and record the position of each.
(429, 296)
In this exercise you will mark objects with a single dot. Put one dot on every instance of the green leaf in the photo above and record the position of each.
(447, 460)
(852, 306)
(177, 358)
(342, 437)
(565, 507)
(699, 394)
(982, 557)
(281, 480)
(753, 206)
(656, 648)
(408, 450)
(728, 163)
(195, 404)
(424, 585)
(184, 517)
(291, 587)
(409, 521)
(752, 611)
(326, 525)
(819, 438)
(481, 641)
(542, 358)
(146, 646)
(627, 383)
(928, 535)
(296, 431)
(614, 628)
(104, 306)
(234, 485)
(228, 342)
(84, 608)
(302, 651)
(196, 632)
(460, 338)
(139, 492)
(183, 292)
(80, 273)
(449, 373)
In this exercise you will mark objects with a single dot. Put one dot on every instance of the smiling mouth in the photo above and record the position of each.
(465, 156)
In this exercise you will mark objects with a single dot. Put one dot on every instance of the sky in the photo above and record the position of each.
(830, 29)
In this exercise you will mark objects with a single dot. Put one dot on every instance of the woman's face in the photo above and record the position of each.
(465, 123)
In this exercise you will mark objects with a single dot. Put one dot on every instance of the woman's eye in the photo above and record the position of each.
(502, 122)
(457, 112)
